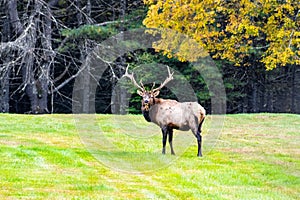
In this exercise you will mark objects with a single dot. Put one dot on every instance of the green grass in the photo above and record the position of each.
(257, 156)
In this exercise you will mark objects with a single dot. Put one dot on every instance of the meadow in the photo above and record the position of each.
(253, 156)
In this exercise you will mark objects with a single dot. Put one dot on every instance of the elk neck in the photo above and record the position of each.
(146, 115)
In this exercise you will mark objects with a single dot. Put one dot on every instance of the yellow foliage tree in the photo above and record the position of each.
(233, 30)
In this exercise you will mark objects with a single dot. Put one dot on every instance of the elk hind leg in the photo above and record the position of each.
(199, 141)
(199, 138)
(197, 132)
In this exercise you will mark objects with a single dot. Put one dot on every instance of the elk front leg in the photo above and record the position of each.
(170, 140)
(164, 139)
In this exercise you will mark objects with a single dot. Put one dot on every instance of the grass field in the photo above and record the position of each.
(257, 156)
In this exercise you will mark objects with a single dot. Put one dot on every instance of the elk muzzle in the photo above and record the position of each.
(146, 106)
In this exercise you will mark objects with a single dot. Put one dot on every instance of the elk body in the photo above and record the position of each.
(170, 114)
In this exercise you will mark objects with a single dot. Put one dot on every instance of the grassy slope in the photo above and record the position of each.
(257, 157)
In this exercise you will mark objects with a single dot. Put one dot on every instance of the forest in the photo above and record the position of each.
(46, 46)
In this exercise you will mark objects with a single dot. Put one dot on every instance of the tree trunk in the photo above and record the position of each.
(262, 94)
(86, 90)
(44, 77)
(293, 92)
(115, 100)
(14, 17)
(35, 77)
(38, 87)
(254, 97)
(123, 102)
(270, 100)
(5, 72)
(4, 92)
(121, 95)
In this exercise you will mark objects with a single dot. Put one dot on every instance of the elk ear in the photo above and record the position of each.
(156, 93)
(140, 92)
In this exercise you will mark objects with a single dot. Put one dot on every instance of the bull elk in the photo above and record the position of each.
(170, 114)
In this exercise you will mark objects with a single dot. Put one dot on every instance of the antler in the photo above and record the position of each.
(168, 79)
(133, 80)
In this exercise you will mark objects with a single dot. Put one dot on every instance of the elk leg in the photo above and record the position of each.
(197, 134)
(199, 139)
(170, 140)
(164, 139)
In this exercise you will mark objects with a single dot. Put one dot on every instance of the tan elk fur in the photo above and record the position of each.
(175, 114)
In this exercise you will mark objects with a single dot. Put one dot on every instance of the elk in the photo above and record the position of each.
(170, 114)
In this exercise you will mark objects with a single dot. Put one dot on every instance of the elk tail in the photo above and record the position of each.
(202, 116)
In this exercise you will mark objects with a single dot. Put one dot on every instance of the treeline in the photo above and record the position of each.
(45, 47)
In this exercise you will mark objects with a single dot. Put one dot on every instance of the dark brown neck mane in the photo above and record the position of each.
(146, 112)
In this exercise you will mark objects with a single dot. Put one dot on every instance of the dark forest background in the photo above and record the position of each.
(45, 43)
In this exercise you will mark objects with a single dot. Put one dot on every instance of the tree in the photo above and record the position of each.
(259, 35)
(44, 46)
(235, 30)
(28, 49)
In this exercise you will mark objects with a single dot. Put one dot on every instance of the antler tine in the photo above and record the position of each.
(142, 84)
(131, 76)
(152, 86)
(168, 79)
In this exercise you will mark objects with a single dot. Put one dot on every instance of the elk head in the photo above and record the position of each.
(148, 96)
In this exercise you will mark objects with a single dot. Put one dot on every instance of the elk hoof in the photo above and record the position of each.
(199, 155)
(163, 151)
